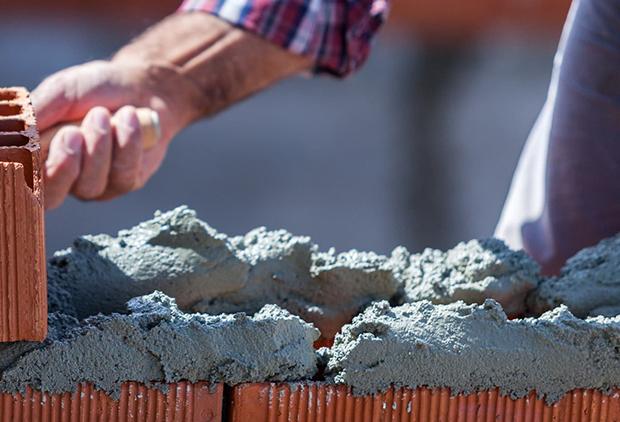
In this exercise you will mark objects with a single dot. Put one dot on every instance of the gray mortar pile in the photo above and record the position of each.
(472, 272)
(155, 342)
(206, 271)
(475, 347)
(95, 336)
(589, 283)
(209, 272)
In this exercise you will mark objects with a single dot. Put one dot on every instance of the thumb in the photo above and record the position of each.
(52, 101)
(69, 95)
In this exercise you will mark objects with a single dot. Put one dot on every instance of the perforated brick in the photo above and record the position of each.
(23, 282)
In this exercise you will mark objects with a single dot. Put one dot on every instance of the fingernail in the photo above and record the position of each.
(72, 144)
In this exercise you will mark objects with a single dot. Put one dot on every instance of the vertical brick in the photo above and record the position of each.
(23, 281)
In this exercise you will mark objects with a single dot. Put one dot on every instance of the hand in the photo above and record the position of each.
(188, 66)
(98, 160)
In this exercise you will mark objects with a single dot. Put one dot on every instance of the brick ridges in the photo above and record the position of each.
(329, 403)
(23, 282)
(184, 402)
(312, 402)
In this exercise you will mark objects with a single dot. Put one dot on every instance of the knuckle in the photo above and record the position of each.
(97, 121)
(56, 79)
(127, 110)
(69, 130)
(65, 150)
(100, 110)
(127, 127)
(70, 135)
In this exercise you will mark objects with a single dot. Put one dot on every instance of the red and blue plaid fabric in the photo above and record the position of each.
(335, 33)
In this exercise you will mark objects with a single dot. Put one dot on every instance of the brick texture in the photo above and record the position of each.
(330, 403)
(182, 402)
(23, 282)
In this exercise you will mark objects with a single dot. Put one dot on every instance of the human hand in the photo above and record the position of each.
(188, 66)
(100, 160)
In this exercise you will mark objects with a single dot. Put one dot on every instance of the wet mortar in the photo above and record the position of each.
(475, 347)
(172, 299)
(589, 283)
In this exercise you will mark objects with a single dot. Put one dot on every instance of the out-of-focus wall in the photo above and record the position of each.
(479, 61)
(130, 13)
(457, 21)
(416, 149)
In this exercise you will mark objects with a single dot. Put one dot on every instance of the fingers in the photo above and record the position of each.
(127, 154)
(96, 154)
(100, 160)
(63, 165)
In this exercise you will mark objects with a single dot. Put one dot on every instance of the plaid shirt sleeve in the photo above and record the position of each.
(335, 33)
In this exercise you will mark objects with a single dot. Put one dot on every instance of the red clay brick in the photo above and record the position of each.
(321, 402)
(23, 282)
(184, 402)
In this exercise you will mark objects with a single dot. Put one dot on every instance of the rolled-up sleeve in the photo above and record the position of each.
(336, 33)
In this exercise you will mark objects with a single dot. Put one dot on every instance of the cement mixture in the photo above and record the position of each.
(99, 334)
(472, 272)
(475, 347)
(155, 342)
(589, 283)
(209, 272)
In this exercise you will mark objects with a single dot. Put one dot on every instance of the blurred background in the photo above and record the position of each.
(416, 149)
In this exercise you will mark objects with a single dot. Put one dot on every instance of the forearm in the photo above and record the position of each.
(221, 63)
(188, 66)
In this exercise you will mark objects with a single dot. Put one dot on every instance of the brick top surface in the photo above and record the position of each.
(18, 126)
